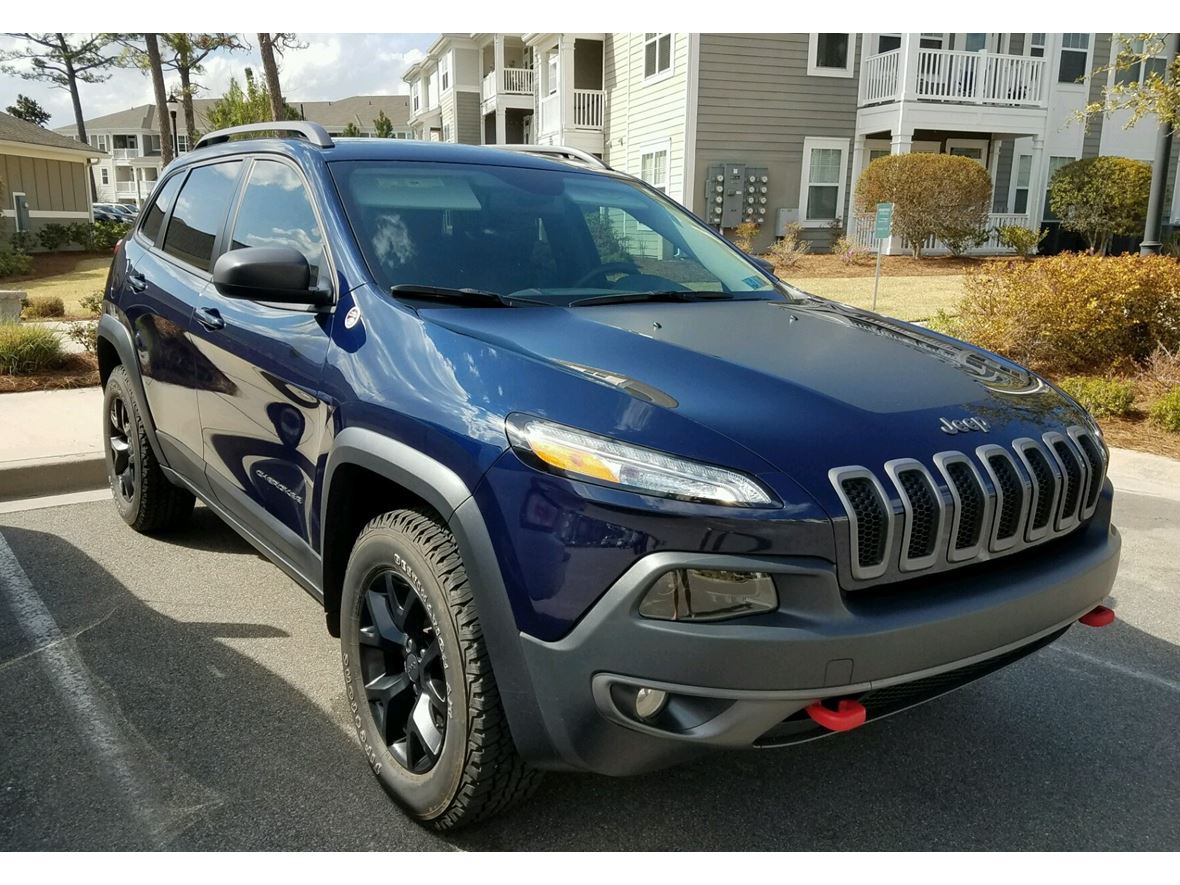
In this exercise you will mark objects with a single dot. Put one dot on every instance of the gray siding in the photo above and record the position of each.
(49, 185)
(757, 104)
(467, 117)
(1100, 58)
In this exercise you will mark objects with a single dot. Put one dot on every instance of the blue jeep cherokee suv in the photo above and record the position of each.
(578, 484)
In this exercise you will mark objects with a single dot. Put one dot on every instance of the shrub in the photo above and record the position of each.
(53, 236)
(92, 303)
(85, 334)
(1163, 367)
(82, 233)
(22, 241)
(1101, 198)
(1101, 397)
(933, 195)
(105, 234)
(743, 236)
(787, 250)
(14, 264)
(25, 350)
(1165, 411)
(42, 307)
(1073, 313)
(1024, 240)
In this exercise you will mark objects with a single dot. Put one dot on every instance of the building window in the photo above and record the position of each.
(657, 54)
(105, 175)
(182, 144)
(825, 167)
(1131, 69)
(551, 65)
(1074, 50)
(653, 168)
(445, 73)
(888, 42)
(1023, 175)
(830, 55)
(415, 102)
(1036, 45)
(931, 41)
(446, 132)
(1055, 163)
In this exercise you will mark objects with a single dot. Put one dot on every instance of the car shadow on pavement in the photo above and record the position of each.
(205, 530)
(206, 747)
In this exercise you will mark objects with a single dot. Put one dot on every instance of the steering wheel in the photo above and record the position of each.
(602, 270)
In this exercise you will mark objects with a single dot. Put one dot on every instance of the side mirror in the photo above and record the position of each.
(267, 273)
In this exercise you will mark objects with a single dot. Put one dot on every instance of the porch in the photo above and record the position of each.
(571, 105)
(911, 73)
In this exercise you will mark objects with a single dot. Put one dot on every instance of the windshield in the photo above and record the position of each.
(544, 236)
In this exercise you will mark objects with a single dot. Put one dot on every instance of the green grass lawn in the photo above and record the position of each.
(907, 298)
(88, 276)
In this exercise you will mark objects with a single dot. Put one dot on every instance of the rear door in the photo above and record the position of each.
(262, 429)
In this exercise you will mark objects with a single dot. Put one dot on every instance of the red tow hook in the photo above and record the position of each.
(849, 714)
(1098, 616)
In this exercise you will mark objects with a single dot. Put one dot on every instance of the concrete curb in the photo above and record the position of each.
(58, 475)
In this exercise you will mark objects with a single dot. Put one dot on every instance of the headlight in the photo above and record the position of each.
(589, 456)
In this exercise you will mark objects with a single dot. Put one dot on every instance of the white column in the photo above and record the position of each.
(1037, 183)
(901, 143)
(858, 164)
(907, 73)
(498, 61)
(501, 127)
(565, 83)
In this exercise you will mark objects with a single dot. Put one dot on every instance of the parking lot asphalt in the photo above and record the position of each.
(182, 693)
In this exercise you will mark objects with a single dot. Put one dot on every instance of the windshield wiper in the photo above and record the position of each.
(675, 295)
(460, 296)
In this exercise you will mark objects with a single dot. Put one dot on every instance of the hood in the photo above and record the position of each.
(806, 386)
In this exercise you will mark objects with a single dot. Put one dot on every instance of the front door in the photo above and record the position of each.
(263, 425)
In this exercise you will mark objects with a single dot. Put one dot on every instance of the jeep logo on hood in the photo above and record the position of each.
(962, 425)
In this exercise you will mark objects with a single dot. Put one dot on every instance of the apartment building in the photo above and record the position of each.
(775, 128)
(129, 140)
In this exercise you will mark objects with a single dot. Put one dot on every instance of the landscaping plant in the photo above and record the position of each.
(26, 350)
(43, 307)
(789, 248)
(1165, 412)
(14, 263)
(1102, 397)
(933, 195)
(851, 252)
(1101, 198)
(1073, 313)
(743, 236)
(1022, 240)
(53, 237)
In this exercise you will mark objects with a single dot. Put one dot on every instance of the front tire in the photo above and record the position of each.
(420, 685)
(144, 496)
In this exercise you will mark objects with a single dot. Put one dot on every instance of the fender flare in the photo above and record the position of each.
(445, 491)
(119, 337)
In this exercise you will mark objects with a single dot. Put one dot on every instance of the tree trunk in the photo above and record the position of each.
(76, 100)
(165, 122)
(190, 118)
(270, 71)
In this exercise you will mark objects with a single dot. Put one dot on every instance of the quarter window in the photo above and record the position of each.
(830, 55)
(200, 213)
(163, 202)
(1074, 50)
(657, 54)
(276, 211)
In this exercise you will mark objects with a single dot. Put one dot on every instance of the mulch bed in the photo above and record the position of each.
(51, 264)
(1135, 432)
(79, 370)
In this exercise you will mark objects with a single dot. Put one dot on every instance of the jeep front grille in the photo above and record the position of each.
(972, 506)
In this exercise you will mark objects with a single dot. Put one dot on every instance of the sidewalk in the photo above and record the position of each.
(50, 442)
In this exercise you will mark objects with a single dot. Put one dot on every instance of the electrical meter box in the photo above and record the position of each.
(734, 193)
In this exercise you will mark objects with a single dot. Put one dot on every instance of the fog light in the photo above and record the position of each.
(649, 702)
(708, 595)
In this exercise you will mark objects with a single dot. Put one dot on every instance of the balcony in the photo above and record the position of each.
(955, 77)
(588, 107)
(125, 153)
(126, 187)
(512, 81)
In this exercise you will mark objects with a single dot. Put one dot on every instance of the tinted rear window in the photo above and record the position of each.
(200, 213)
(155, 215)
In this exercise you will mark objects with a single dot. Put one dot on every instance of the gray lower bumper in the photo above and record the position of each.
(732, 683)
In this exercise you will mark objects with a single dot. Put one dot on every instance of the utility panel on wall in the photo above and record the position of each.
(735, 193)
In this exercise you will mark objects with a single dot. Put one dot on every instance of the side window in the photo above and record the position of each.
(276, 211)
(155, 215)
(200, 213)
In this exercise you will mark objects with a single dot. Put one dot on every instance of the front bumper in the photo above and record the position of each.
(746, 682)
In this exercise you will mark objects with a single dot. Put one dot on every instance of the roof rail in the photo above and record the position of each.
(557, 152)
(313, 132)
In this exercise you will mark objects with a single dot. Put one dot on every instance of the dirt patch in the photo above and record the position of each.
(78, 370)
(1135, 432)
(811, 266)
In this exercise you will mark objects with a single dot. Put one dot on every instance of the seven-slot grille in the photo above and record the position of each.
(971, 505)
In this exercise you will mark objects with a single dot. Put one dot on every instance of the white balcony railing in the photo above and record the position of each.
(125, 187)
(588, 108)
(125, 153)
(953, 75)
(550, 113)
(513, 81)
(862, 233)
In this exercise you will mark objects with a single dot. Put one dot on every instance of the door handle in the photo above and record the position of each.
(136, 280)
(210, 318)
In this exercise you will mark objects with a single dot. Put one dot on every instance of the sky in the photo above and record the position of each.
(332, 66)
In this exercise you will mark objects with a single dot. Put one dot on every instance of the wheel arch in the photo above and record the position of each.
(116, 348)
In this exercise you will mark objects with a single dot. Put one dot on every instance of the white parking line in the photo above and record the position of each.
(1142, 675)
(70, 678)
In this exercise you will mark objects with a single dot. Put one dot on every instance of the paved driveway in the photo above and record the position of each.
(184, 694)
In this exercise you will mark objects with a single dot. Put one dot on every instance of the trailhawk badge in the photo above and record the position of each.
(963, 425)
(352, 317)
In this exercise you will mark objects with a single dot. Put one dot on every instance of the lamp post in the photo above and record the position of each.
(173, 106)
(1151, 244)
